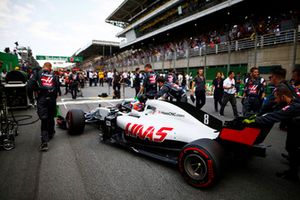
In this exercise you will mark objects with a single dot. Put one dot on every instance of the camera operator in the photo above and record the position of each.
(46, 84)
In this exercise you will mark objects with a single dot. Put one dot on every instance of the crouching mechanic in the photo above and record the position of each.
(46, 85)
(170, 90)
(291, 114)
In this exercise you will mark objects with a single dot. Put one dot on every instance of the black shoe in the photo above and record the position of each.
(288, 175)
(44, 146)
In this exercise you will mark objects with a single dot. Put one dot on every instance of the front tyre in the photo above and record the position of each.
(75, 121)
(200, 162)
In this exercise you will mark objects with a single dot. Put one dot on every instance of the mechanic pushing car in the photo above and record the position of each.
(172, 90)
(277, 77)
(296, 80)
(148, 83)
(291, 114)
(45, 84)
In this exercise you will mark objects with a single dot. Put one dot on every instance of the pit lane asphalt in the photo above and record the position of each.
(79, 167)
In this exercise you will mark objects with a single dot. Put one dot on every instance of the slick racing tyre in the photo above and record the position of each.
(200, 162)
(75, 121)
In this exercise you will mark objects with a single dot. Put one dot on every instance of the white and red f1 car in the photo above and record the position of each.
(172, 132)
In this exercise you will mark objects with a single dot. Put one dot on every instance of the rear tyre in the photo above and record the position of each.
(200, 162)
(75, 121)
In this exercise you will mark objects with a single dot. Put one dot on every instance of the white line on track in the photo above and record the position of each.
(86, 100)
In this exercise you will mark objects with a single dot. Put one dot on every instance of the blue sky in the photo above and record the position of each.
(55, 27)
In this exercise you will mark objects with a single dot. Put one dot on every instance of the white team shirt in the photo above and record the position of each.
(227, 83)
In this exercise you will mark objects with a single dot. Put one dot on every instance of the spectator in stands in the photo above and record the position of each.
(229, 94)
(199, 88)
(218, 90)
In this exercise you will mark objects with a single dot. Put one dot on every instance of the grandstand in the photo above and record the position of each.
(95, 52)
(219, 35)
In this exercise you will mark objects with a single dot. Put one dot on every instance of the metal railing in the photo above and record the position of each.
(260, 41)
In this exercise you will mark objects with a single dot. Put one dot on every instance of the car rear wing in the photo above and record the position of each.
(237, 132)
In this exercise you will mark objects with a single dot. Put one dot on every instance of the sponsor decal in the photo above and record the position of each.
(253, 89)
(147, 133)
(285, 108)
(47, 81)
(170, 114)
(152, 79)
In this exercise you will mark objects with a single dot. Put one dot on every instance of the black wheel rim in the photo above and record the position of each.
(195, 166)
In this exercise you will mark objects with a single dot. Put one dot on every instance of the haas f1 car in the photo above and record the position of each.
(172, 132)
